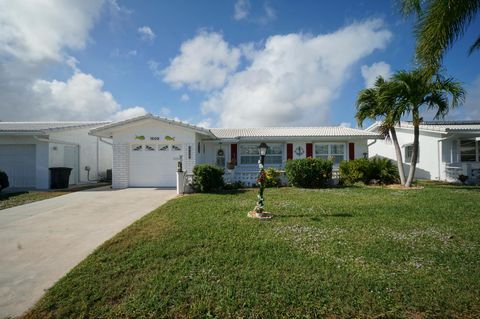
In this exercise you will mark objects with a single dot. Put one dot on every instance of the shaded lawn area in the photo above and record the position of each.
(13, 199)
(347, 252)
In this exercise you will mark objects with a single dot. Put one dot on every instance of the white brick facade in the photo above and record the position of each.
(120, 165)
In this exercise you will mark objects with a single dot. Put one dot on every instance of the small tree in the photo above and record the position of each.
(378, 103)
(411, 91)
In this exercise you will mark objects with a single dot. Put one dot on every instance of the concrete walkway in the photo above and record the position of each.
(40, 242)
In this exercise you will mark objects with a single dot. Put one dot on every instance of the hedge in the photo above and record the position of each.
(207, 178)
(309, 172)
(375, 170)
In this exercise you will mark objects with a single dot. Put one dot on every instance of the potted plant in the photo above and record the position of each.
(232, 163)
(462, 178)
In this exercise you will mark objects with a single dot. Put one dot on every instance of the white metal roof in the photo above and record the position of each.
(44, 127)
(447, 126)
(437, 126)
(321, 131)
(107, 129)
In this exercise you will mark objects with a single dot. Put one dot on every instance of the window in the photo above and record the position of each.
(149, 148)
(336, 152)
(409, 153)
(189, 152)
(249, 154)
(137, 147)
(220, 159)
(176, 147)
(468, 151)
(163, 148)
(198, 148)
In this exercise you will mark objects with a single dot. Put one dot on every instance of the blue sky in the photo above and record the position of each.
(257, 62)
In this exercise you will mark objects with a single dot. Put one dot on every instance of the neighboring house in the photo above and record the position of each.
(29, 149)
(146, 149)
(446, 149)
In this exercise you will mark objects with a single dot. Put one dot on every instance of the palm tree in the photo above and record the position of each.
(412, 91)
(440, 23)
(373, 103)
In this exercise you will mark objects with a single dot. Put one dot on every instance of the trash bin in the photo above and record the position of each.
(59, 177)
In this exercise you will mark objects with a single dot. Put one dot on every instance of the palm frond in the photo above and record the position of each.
(409, 7)
(475, 46)
(439, 25)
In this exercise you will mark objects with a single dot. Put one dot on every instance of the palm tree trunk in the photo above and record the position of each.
(398, 153)
(416, 135)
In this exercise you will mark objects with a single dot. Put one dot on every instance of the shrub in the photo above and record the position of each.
(233, 186)
(355, 171)
(463, 178)
(377, 169)
(272, 178)
(309, 172)
(383, 170)
(207, 178)
(3, 180)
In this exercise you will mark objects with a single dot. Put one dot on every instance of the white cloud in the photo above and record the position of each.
(185, 98)
(242, 9)
(205, 123)
(36, 34)
(372, 72)
(32, 31)
(146, 33)
(117, 53)
(129, 113)
(269, 16)
(204, 63)
(346, 124)
(471, 109)
(154, 66)
(165, 111)
(294, 78)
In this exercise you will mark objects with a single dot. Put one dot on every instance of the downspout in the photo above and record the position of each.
(48, 140)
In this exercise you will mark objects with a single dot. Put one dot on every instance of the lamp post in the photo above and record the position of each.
(259, 208)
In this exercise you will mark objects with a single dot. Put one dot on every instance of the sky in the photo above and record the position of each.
(237, 63)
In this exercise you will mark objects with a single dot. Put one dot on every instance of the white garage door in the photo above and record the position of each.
(18, 161)
(153, 165)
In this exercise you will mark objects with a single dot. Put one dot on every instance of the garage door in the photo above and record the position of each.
(18, 161)
(153, 165)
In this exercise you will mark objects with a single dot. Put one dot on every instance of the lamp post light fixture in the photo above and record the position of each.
(259, 212)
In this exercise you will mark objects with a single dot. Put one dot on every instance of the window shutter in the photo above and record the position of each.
(289, 151)
(351, 151)
(233, 153)
(309, 150)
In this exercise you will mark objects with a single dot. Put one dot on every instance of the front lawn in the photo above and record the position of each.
(12, 199)
(351, 252)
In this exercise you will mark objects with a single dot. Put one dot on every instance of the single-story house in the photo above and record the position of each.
(29, 149)
(146, 149)
(446, 149)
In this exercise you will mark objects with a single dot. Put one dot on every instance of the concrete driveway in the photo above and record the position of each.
(40, 242)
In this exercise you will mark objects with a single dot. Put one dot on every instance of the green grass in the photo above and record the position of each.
(12, 199)
(346, 252)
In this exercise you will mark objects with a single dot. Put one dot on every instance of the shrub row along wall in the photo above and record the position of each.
(375, 170)
(306, 173)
